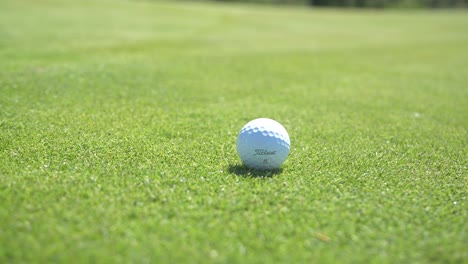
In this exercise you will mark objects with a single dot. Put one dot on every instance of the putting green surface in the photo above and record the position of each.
(119, 119)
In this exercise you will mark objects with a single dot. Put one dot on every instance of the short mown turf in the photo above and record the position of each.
(118, 125)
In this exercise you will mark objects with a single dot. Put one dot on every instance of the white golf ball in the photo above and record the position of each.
(263, 144)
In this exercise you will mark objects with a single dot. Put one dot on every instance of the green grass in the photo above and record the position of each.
(118, 124)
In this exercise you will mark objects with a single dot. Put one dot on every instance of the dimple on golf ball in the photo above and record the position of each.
(263, 144)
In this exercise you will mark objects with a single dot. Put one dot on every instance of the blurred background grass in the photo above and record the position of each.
(364, 3)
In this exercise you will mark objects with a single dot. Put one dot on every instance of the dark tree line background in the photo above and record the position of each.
(390, 3)
(366, 3)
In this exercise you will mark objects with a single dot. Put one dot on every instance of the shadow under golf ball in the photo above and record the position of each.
(244, 171)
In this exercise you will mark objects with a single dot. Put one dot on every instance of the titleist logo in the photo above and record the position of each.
(264, 152)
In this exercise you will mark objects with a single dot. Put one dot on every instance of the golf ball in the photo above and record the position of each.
(263, 144)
